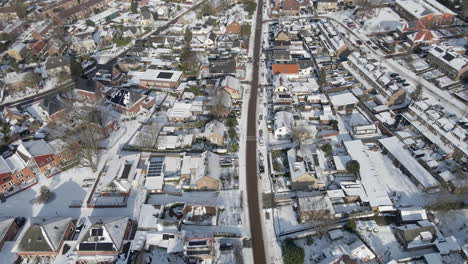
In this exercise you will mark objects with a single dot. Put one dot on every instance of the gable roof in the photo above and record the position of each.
(52, 105)
(104, 234)
(125, 98)
(44, 235)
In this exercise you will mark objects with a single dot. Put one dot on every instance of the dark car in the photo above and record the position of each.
(359, 42)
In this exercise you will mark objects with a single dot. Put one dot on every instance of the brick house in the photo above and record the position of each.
(44, 238)
(130, 102)
(89, 89)
(15, 174)
(53, 108)
(158, 78)
(427, 12)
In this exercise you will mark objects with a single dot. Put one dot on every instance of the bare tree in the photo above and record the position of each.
(87, 134)
(148, 137)
(220, 103)
(301, 134)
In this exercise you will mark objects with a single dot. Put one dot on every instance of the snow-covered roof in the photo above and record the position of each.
(394, 146)
(161, 75)
(376, 192)
(450, 58)
(343, 99)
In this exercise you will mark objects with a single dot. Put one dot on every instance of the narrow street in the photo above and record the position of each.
(253, 194)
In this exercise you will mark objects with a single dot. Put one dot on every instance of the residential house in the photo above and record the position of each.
(113, 187)
(449, 62)
(8, 230)
(233, 86)
(214, 132)
(41, 153)
(203, 171)
(53, 108)
(44, 238)
(428, 12)
(103, 239)
(302, 172)
(129, 102)
(104, 121)
(157, 78)
(89, 89)
(416, 236)
(283, 124)
(344, 103)
(402, 158)
(200, 215)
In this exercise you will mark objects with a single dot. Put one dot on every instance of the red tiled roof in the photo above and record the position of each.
(44, 160)
(423, 36)
(286, 68)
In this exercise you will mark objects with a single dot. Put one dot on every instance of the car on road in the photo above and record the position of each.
(359, 42)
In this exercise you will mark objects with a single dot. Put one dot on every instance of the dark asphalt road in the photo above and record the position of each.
(253, 195)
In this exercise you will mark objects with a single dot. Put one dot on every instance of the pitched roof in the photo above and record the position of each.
(44, 235)
(52, 105)
(125, 98)
(285, 68)
(86, 85)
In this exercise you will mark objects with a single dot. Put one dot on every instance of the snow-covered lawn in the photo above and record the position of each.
(285, 218)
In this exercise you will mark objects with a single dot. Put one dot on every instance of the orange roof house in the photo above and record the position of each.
(285, 68)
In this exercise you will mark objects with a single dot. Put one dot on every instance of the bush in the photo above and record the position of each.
(353, 167)
(292, 254)
(46, 195)
(327, 148)
(350, 226)
(234, 148)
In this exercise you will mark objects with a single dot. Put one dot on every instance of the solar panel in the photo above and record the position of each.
(165, 75)
(96, 232)
(126, 171)
(197, 243)
(448, 57)
(87, 246)
(104, 246)
(155, 167)
(198, 252)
